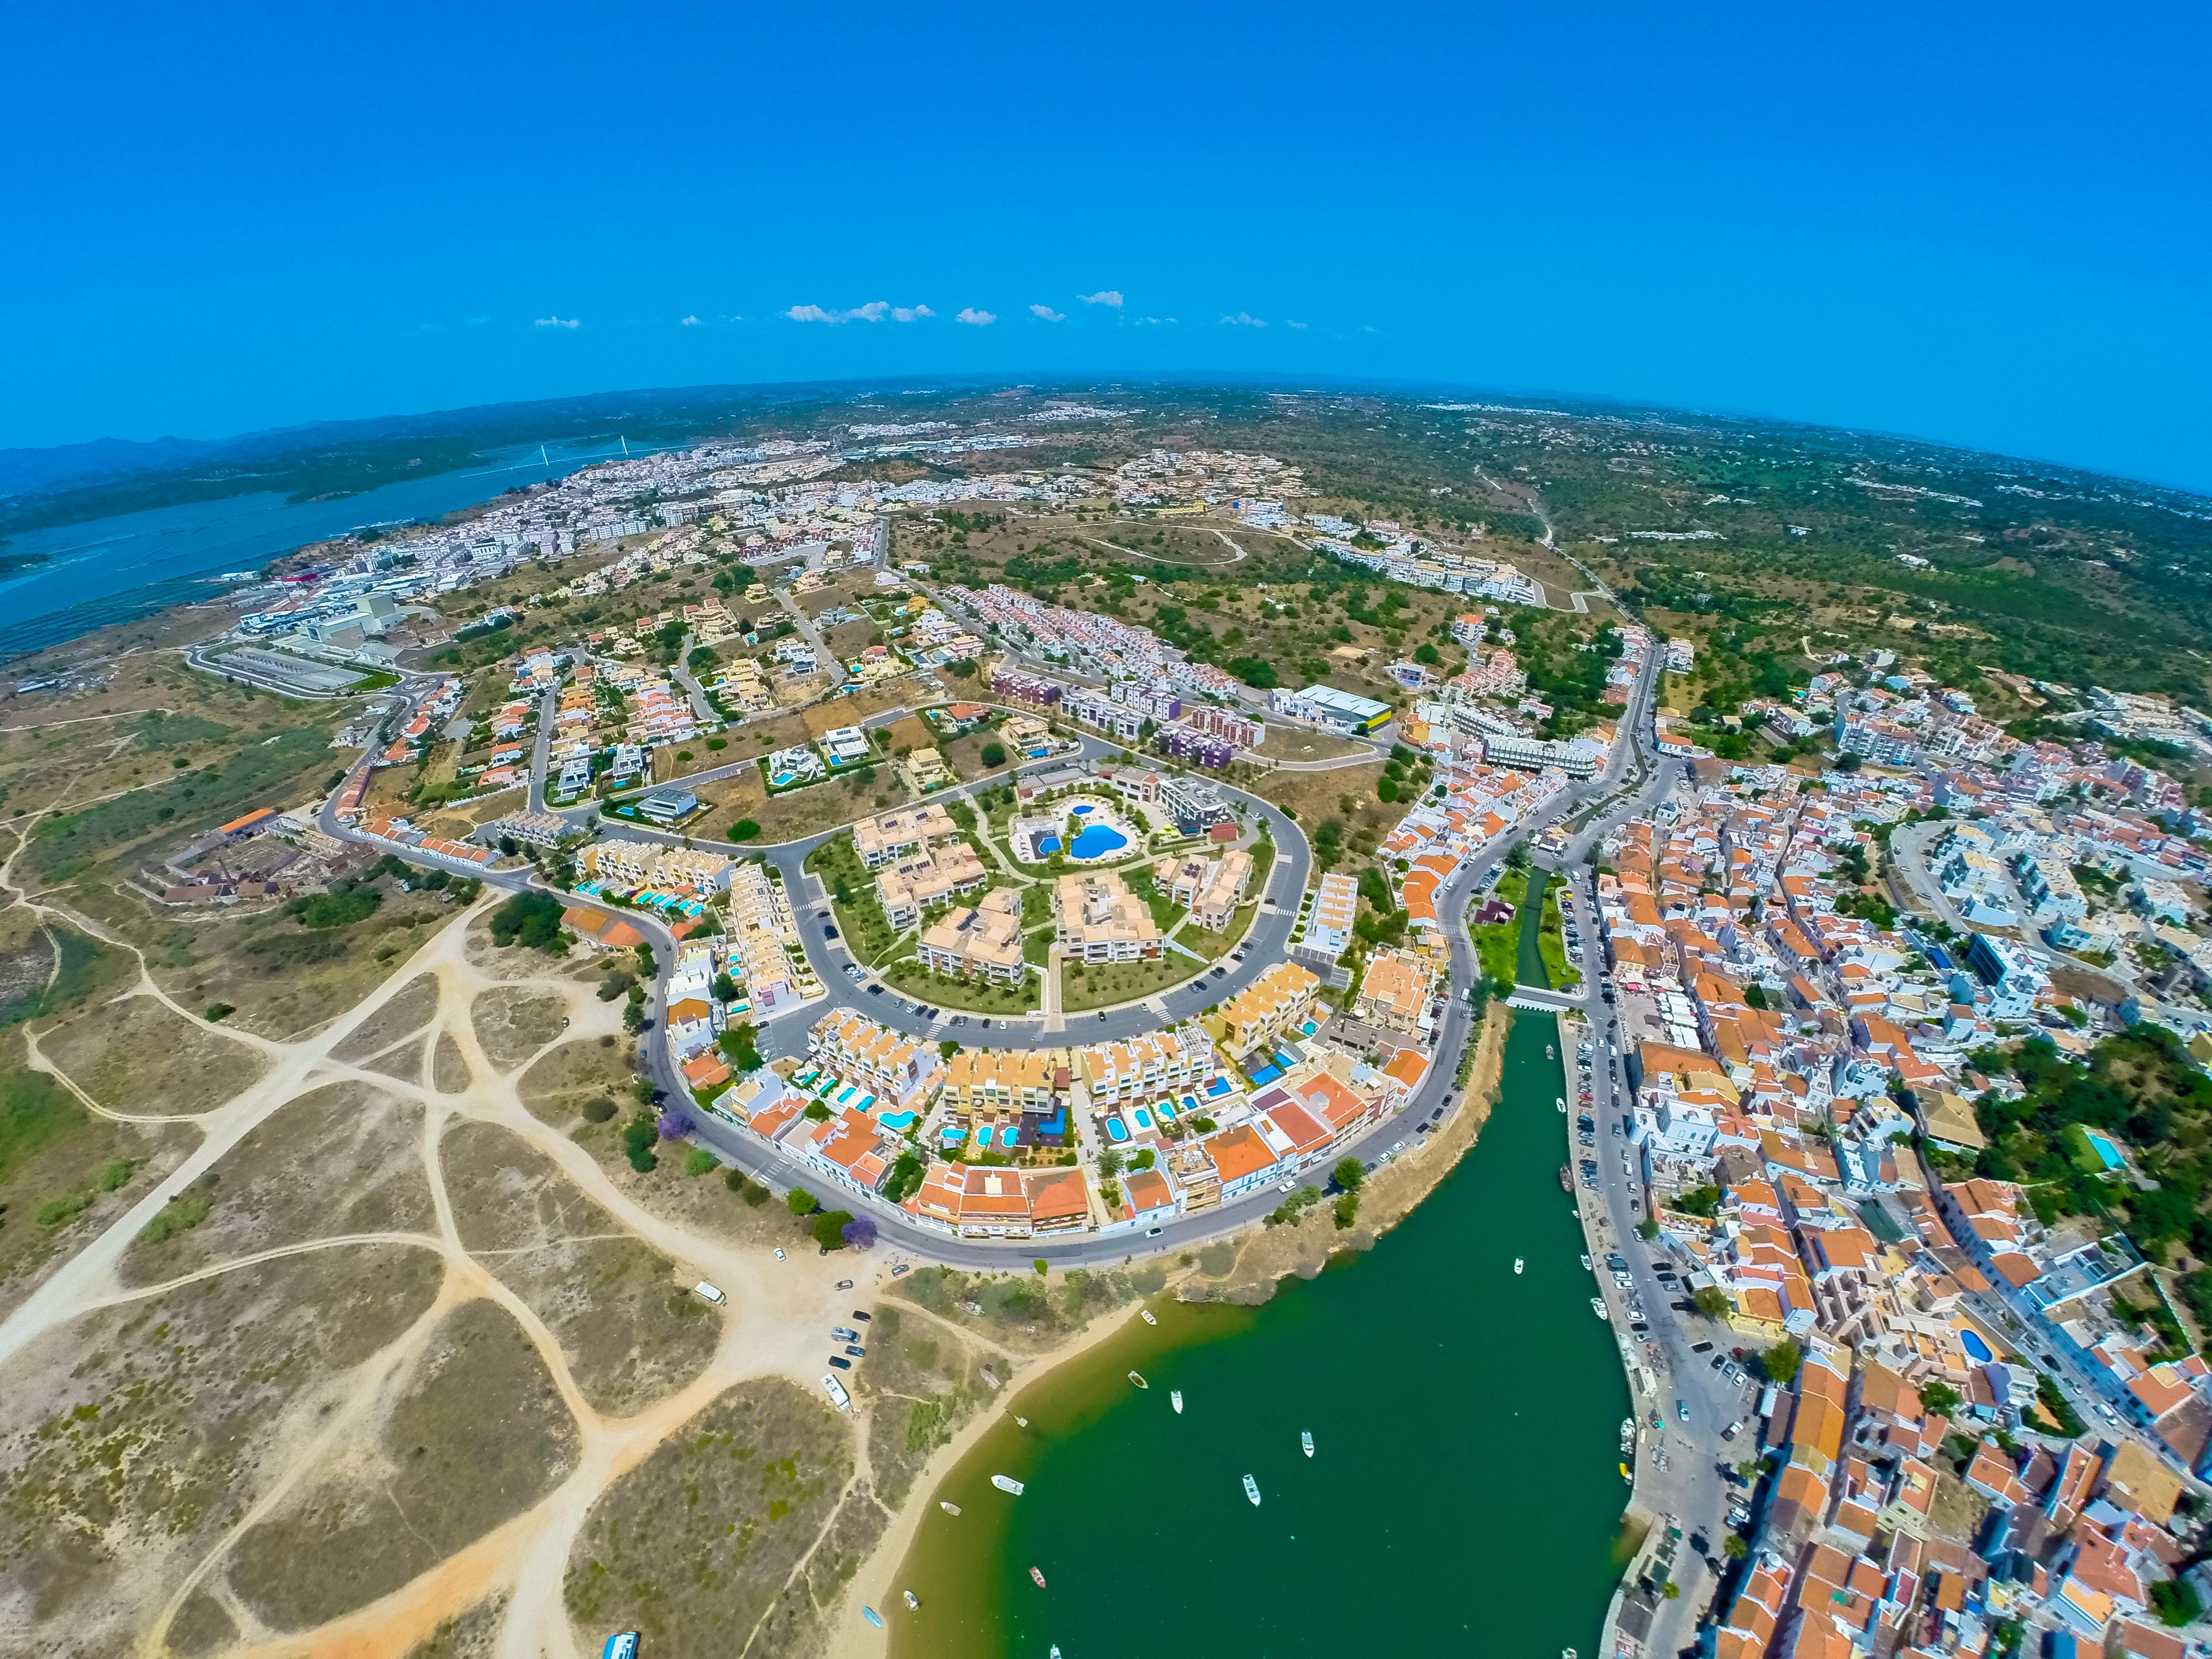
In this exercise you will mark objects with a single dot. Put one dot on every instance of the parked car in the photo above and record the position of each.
(856, 1351)
(844, 1334)
(841, 1362)
(779, 1252)
(902, 1268)
(875, 990)
(860, 1314)
(706, 1292)
(828, 933)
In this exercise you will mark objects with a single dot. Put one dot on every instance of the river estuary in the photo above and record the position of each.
(1463, 1497)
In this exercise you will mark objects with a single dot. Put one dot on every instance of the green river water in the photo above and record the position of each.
(1464, 1496)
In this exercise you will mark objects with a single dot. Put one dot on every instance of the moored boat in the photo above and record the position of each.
(1175, 1399)
(1587, 1267)
(1566, 1179)
(1139, 1380)
(1037, 1577)
(1305, 1441)
(1548, 1053)
(873, 1617)
(1517, 1264)
(950, 1508)
(1145, 1314)
(1252, 1489)
(1597, 1307)
(913, 1601)
(1007, 1483)
(1560, 1101)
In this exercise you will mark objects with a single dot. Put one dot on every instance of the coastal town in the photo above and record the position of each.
(991, 928)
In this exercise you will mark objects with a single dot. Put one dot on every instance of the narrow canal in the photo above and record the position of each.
(1463, 1496)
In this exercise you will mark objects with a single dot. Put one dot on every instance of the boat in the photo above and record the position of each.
(1566, 1179)
(1626, 1476)
(1007, 1483)
(1175, 1399)
(1587, 1267)
(1549, 1055)
(913, 1601)
(1566, 1653)
(1021, 1422)
(1037, 1577)
(1139, 1380)
(1305, 1441)
(1559, 1101)
(1055, 1651)
(1597, 1307)
(1145, 1314)
(873, 1617)
(950, 1508)
(1252, 1489)
(1517, 1264)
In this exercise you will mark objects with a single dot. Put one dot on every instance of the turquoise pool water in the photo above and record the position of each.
(1046, 846)
(1976, 1350)
(1143, 1117)
(1116, 1130)
(1095, 840)
(1217, 1088)
(953, 1137)
(2107, 1154)
(1083, 811)
(897, 1122)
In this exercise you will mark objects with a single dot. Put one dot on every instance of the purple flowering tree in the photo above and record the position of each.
(859, 1234)
(674, 1124)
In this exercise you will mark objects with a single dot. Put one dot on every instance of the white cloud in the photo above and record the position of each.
(1105, 296)
(690, 322)
(1154, 322)
(1288, 324)
(1245, 319)
(874, 312)
(557, 322)
(980, 318)
(1046, 314)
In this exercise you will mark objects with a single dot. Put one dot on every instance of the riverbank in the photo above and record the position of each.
(1127, 1498)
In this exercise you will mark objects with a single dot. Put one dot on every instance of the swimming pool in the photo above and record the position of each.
(2107, 1154)
(1144, 1119)
(1097, 841)
(953, 1136)
(897, 1122)
(1266, 1075)
(1083, 810)
(1046, 846)
(1217, 1088)
(778, 779)
(1010, 1137)
(1116, 1130)
(1976, 1350)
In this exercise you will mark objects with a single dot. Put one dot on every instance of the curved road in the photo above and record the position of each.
(1270, 929)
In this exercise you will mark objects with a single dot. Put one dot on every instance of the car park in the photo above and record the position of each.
(855, 972)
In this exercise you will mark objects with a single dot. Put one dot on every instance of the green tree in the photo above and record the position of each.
(1712, 1301)
(801, 1202)
(1347, 1209)
(1041, 1265)
(743, 829)
(829, 1229)
(1349, 1173)
(725, 988)
(994, 755)
(1780, 1362)
(1938, 1398)
(1734, 1547)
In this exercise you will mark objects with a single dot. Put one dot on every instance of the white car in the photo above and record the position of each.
(709, 1294)
(779, 1252)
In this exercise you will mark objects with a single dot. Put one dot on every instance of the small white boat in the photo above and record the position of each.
(1007, 1483)
(1305, 1441)
(1549, 1055)
(1559, 1101)
(1597, 1307)
(1252, 1489)
(1517, 1264)
(950, 1508)
(1175, 1399)
(913, 1601)
(1021, 1422)
(1566, 1653)
(1587, 1267)
(1139, 1380)
(1056, 1650)
(1145, 1314)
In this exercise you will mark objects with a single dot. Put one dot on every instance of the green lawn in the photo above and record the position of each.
(1553, 946)
(1166, 913)
(1100, 983)
(981, 996)
(1037, 946)
(1212, 945)
(861, 920)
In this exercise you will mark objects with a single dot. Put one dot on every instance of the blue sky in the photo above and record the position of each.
(1978, 223)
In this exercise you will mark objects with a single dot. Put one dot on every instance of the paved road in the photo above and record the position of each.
(1270, 931)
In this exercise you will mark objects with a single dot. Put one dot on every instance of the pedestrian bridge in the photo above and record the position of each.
(1540, 1000)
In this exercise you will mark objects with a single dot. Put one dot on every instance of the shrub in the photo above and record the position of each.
(1347, 1209)
(637, 1143)
(339, 908)
(598, 1109)
(179, 1215)
(743, 829)
(218, 1011)
(801, 1202)
(700, 1162)
(829, 1229)
(995, 754)
(528, 919)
